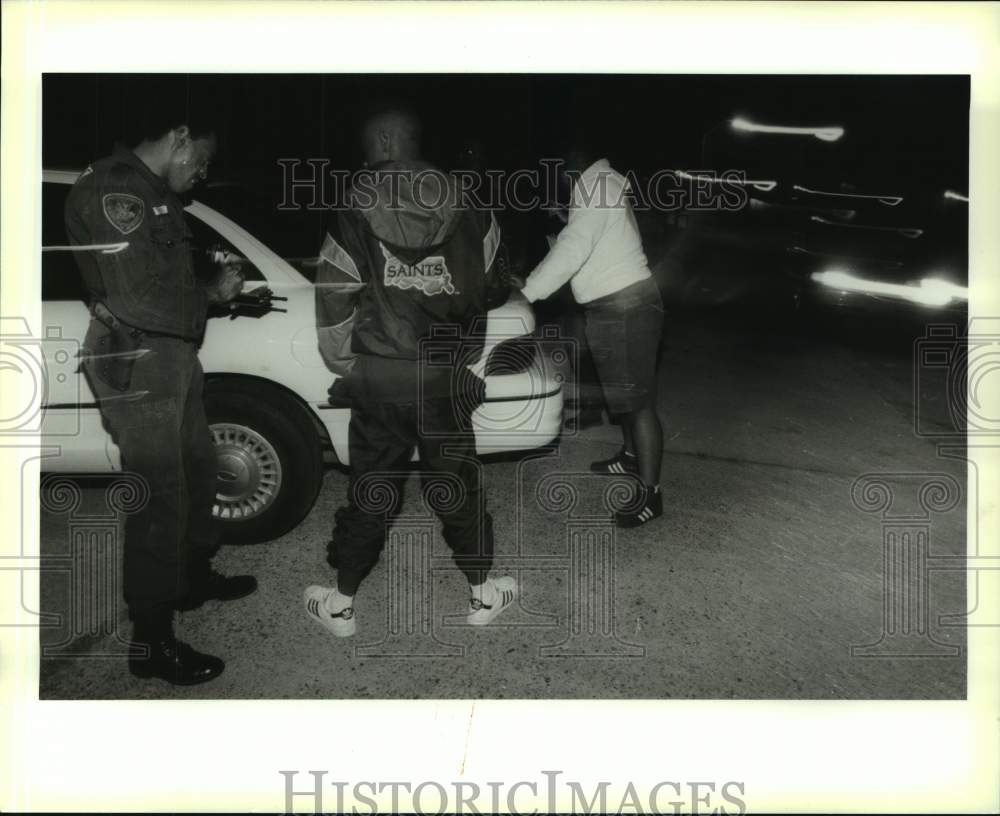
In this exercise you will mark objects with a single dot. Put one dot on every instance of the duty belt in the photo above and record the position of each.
(104, 315)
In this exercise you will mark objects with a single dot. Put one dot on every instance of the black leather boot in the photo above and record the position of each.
(168, 658)
(209, 585)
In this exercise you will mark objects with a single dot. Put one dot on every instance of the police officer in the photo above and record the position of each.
(141, 360)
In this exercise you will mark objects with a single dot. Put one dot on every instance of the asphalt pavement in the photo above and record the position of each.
(764, 579)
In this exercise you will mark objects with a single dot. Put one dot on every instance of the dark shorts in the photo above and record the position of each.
(623, 332)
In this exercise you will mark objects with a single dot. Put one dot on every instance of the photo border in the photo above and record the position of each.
(798, 755)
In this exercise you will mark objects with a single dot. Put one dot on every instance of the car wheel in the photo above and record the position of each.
(270, 464)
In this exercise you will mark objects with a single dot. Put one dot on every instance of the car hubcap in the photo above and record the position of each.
(249, 472)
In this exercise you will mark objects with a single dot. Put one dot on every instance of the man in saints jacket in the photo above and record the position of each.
(404, 285)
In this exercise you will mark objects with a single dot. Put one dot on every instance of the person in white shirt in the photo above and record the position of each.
(599, 252)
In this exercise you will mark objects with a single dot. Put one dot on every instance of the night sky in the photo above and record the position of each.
(894, 125)
(904, 135)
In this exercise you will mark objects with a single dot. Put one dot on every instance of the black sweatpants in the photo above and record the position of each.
(381, 438)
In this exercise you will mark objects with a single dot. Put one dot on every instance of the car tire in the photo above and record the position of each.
(270, 460)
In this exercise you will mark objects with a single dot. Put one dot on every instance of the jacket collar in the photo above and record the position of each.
(126, 156)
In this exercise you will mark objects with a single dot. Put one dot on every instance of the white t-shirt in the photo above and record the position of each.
(599, 250)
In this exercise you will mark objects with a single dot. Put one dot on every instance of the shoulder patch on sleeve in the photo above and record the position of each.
(491, 243)
(124, 211)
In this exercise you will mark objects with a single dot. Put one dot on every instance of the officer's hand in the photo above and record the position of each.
(516, 281)
(228, 285)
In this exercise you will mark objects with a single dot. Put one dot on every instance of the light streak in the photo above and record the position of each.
(889, 201)
(929, 292)
(826, 134)
(909, 232)
(803, 251)
(762, 185)
(760, 204)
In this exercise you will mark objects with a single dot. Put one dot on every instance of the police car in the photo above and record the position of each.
(266, 390)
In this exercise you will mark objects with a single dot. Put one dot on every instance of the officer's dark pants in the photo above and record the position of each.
(381, 438)
(160, 427)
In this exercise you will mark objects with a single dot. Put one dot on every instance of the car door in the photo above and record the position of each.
(71, 421)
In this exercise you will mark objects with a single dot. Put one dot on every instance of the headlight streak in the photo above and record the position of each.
(889, 201)
(763, 186)
(953, 196)
(757, 203)
(825, 134)
(909, 232)
(929, 292)
(802, 251)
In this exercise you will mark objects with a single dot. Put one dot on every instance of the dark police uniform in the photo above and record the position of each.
(428, 277)
(148, 292)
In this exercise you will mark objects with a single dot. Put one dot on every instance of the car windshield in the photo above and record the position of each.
(294, 235)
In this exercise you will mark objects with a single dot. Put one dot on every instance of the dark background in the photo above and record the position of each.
(775, 396)
(904, 135)
(896, 126)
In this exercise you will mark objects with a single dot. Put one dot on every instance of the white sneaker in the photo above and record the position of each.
(506, 591)
(341, 624)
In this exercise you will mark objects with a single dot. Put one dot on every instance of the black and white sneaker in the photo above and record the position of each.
(651, 508)
(481, 613)
(621, 464)
(340, 624)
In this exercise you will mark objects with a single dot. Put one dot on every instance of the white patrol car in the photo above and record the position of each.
(266, 385)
